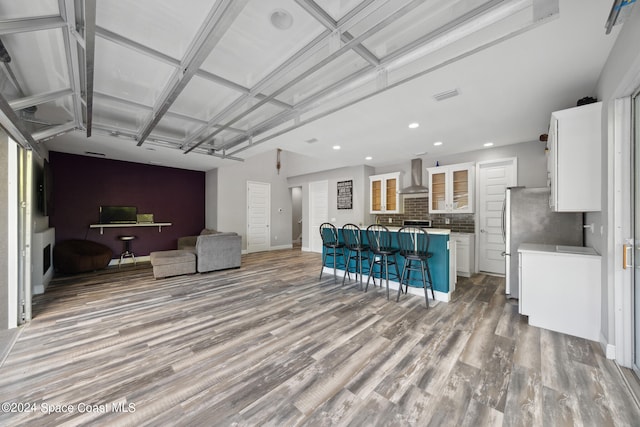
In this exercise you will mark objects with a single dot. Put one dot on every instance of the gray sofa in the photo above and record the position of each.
(214, 250)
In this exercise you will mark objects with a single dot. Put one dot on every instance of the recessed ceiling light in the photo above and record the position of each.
(414, 125)
(281, 19)
(368, 158)
(437, 143)
(488, 144)
(336, 147)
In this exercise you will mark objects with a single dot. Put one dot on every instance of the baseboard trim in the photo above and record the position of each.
(127, 260)
(608, 349)
(439, 296)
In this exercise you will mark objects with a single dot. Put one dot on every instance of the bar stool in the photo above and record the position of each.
(127, 249)
(332, 247)
(383, 253)
(414, 247)
(352, 236)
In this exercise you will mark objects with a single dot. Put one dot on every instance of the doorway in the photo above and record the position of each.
(318, 212)
(258, 216)
(493, 179)
(296, 217)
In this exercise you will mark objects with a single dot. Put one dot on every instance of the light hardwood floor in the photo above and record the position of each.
(269, 344)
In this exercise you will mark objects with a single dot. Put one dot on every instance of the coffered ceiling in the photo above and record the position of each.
(203, 83)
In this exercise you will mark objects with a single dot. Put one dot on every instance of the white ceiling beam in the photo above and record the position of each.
(216, 25)
(54, 131)
(12, 124)
(346, 47)
(312, 8)
(145, 107)
(68, 14)
(89, 59)
(28, 101)
(152, 53)
(32, 24)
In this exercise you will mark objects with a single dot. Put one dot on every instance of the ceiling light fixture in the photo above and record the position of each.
(281, 19)
(336, 147)
(488, 144)
(437, 143)
(414, 125)
(368, 158)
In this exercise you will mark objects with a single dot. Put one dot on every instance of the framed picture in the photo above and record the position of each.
(345, 194)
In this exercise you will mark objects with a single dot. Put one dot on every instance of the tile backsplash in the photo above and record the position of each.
(418, 208)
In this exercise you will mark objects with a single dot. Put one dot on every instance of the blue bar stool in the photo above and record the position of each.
(332, 247)
(352, 236)
(384, 254)
(414, 247)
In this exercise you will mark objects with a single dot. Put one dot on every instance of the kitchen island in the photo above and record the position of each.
(441, 264)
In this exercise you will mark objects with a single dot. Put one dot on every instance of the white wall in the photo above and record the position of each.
(231, 201)
(359, 215)
(296, 212)
(619, 78)
(532, 162)
(210, 199)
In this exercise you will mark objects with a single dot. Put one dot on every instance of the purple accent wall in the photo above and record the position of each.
(82, 184)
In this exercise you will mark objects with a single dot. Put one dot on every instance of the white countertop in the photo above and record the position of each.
(558, 249)
(428, 230)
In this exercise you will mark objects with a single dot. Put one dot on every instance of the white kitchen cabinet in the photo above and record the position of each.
(573, 162)
(384, 194)
(451, 188)
(465, 253)
(560, 289)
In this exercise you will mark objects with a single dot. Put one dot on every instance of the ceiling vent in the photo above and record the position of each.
(311, 141)
(446, 94)
(416, 186)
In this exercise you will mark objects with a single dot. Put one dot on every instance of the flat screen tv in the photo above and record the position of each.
(118, 214)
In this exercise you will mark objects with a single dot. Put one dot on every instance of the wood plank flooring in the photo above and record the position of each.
(269, 344)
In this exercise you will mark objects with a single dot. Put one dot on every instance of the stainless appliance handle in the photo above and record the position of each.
(503, 224)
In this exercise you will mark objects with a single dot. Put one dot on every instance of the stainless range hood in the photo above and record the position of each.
(416, 186)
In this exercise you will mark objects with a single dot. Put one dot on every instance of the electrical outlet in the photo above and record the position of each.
(390, 220)
(447, 221)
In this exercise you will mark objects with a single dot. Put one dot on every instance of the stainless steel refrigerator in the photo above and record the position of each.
(527, 218)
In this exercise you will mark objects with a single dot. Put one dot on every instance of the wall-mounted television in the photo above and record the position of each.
(118, 215)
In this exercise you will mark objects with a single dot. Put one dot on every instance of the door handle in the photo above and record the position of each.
(627, 255)
(482, 230)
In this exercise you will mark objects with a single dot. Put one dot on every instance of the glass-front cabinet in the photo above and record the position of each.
(451, 188)
(384, 193)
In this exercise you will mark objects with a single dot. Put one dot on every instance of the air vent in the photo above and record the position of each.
(93, 153)
(446, 95)
(311, 141)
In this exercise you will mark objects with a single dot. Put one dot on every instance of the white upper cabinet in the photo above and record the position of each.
(451, 188)
(384, 194)
(573, 162)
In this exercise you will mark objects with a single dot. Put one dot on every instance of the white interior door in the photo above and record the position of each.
(318, 212)
(258, 216)
(493, 179)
